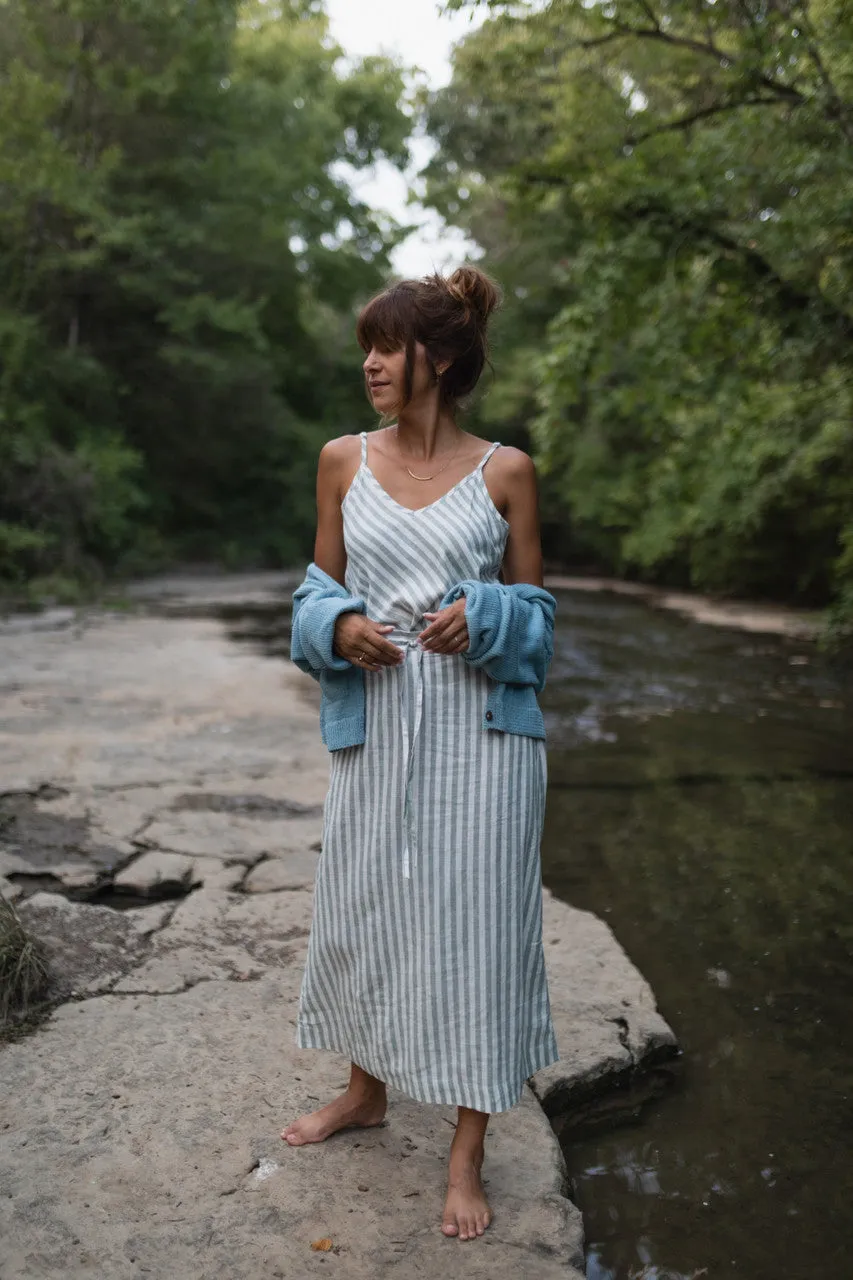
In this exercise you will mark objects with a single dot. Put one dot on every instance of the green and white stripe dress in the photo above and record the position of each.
(425, 962)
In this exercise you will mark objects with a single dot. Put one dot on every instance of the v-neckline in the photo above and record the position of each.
(413, 511)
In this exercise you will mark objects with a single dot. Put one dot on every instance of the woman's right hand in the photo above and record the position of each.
(362, 642)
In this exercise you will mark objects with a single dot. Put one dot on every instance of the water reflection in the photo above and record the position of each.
(702, 802)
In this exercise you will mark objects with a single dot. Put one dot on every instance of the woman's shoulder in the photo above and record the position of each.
(339, 460)
(514, 461)
(512, 465)
(340, 450)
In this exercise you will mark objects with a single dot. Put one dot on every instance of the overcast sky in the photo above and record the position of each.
(415, 32)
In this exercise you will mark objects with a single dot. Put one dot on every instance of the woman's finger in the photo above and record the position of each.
(366, 663)
(362, 653)
(381, 652)
(388, 653)
(449, 634)
(436, 629)
(456, 646)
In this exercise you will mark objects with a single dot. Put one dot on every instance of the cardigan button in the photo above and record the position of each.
(489, 715)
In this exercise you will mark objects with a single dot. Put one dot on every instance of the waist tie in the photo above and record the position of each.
(412, 692)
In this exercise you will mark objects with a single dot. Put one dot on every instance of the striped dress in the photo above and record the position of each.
(425, 962)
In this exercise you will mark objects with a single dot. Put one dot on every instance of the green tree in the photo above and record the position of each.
(667, 191)
(179, 252)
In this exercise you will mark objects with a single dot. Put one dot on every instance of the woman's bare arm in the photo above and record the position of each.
(513, 490)
(358, 639)
(517, 489)
(334, 473)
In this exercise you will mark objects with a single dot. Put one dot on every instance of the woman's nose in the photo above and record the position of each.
(371, 362)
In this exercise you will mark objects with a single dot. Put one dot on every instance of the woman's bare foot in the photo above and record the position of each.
(362, 1105)
(466, 1209)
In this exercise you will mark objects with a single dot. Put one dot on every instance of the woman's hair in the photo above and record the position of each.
(448, 315)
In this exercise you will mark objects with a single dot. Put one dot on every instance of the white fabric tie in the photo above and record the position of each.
(413, 684)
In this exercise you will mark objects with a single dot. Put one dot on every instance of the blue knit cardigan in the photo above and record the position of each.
(511, 637)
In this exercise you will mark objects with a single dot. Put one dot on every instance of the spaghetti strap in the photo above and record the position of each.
(488, 454)
(363, 435)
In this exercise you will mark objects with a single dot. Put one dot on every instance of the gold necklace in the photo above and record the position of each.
(435, 473)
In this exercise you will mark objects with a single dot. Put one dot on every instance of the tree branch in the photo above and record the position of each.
(841, 107)
(694, 46)
(684, 122)
(791, 295)
(655, 33)
(650, 14)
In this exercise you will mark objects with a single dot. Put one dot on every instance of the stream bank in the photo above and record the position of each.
(161, 791)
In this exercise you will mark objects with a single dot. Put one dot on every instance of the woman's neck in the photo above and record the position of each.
(424, 432)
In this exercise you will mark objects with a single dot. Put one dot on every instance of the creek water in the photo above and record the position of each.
(701, 802)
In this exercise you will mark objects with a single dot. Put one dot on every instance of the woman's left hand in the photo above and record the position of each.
(447, 631)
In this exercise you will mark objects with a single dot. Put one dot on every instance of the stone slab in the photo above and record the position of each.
(11, 892)
(160, 1154)
(75, 876)
(155, 872)
(215, 874)
(604, 1010)
(276, 874)
(231, 836)
(143, 1116)
(87, 947)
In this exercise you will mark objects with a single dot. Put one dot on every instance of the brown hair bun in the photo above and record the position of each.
(446, 314)
(474, 290)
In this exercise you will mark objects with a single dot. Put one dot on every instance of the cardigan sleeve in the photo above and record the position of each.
(318, 602)
(510, 630)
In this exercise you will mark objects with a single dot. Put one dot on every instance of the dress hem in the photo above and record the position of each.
(316, 1040)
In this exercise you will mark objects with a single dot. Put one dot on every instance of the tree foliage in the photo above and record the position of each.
(179, 257)
(666, 190)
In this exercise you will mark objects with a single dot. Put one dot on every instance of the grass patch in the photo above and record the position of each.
(23, 968)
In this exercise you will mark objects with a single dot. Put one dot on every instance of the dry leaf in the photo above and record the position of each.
(322, 1246)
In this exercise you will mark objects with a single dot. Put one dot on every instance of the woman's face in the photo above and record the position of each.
(385, 374)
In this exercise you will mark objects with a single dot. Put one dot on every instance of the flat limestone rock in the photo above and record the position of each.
(214, 874)
(140, 1123)
(155, 872)
(233, 836)
(160, 1155)
(11, 862)
(299, 781)
(87, 947)
(76, 876)
(604, 1011)
(11, 892)
(276, 874)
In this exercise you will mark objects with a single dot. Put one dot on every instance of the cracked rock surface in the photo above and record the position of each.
(147, 756)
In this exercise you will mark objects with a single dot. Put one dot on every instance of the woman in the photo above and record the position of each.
(425, 963)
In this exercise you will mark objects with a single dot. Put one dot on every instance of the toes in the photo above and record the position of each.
(450, 1228)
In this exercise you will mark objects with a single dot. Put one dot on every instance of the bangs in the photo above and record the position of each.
(388, 322)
